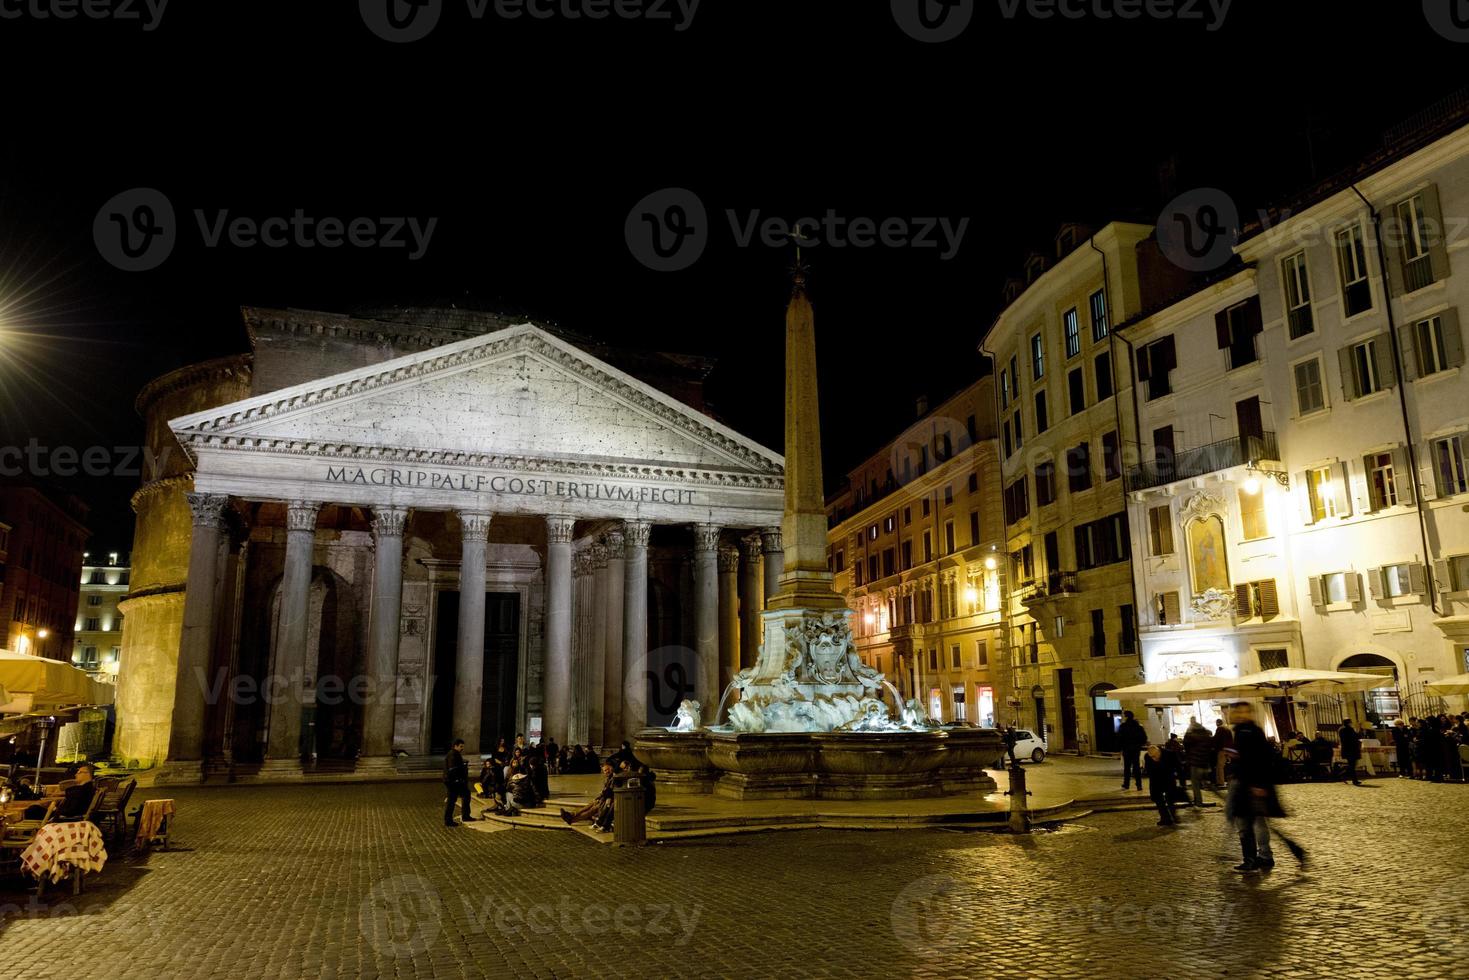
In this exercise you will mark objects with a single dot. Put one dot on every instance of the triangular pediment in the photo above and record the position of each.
(516, 395)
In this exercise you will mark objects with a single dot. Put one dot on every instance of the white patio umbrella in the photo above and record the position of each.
(1458, 684)
(1295, 680)
(1183, 689)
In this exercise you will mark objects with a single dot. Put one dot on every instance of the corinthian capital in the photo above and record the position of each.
(208, 509)
(613, 542)
(729, 559)
(770, 539)
(559, 529)
(706, 537)
(301, 515)
(636, 533)
(473, 525)
(388, 521)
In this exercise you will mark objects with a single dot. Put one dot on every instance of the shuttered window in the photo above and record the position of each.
(1257, 600)
(1168, 609)
(1160, 530)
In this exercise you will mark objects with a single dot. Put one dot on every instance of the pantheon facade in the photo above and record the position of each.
(377, 533)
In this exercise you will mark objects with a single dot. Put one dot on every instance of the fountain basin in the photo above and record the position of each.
(820, 765)
(681, 760)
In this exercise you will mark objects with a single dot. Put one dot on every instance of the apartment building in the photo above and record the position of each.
(916, 544)
(98, 646)
(1071, 608)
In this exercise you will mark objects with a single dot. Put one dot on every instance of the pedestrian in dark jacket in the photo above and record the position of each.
(1223, 742)
(1198, 750)
(1252, 800)
(1402, 741)
(1428, 750)
(1133, 738)
(1162, 767)
(1351, 749)
(456, 782)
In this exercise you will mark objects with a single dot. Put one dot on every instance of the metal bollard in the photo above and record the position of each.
(629, 825)
(1019, 811)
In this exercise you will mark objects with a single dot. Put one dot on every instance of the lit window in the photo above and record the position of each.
(1382, 481)
(1099, 315)
(1072, 324)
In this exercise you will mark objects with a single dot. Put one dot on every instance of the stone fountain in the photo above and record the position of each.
(811, 721)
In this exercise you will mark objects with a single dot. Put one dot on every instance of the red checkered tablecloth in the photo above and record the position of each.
(59, 847)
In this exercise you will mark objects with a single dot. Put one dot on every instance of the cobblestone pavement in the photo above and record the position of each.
(347, 881)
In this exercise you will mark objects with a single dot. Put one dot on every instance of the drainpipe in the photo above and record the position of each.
(1114, 335)
(1402, 386)
(1002, 566)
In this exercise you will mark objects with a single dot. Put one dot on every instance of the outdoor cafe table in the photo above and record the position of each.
(60, 847)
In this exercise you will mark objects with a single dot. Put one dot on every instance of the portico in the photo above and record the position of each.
(503, 534)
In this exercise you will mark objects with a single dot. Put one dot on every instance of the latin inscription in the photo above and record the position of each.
(387, 476)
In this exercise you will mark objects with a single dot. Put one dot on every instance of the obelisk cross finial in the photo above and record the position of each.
(799, 269)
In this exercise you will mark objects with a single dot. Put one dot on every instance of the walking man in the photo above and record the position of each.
(456, 782)
(1252, 801)
(1133, 738)
(1223, 742)
(1351, 749)
(1198, 750)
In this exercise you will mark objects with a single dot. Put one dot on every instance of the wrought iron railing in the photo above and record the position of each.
(1189, 463)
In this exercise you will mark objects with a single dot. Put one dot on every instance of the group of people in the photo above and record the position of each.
(1181, 766)
(1429, 748)
(516, 777)
(1237, 755)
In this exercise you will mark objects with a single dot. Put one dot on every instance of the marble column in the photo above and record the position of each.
(380, 712)
(616, 579)
(558, 627)
(597, 643)
(185, 762)
(635, 627)
(773, 555)
(293, 677)
(752, 600)
(581, 601)
(469, 662)
(706, 618)
(729, 614)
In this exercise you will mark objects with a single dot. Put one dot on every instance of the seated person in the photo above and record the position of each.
(522, 791)
(598, 808)
(78, 798)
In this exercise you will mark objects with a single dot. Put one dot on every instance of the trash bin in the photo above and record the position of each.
(628, 824)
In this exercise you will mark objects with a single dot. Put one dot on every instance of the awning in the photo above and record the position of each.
(1458, 684)
(1294, 680)
(37, 686)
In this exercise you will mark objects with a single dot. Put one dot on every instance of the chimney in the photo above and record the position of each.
(922, 406)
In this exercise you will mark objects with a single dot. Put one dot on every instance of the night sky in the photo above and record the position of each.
(530, 142)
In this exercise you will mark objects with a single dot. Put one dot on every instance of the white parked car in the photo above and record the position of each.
(1027, 746)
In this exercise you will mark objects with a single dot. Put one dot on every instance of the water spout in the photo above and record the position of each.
(897, 700)
(722, 699)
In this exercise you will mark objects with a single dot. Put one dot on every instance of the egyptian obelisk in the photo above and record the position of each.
(805, 582)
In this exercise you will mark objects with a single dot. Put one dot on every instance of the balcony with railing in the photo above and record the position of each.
(1055, 585)
(1189, 463)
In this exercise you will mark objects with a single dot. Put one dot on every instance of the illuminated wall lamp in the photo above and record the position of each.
(1253, 474)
